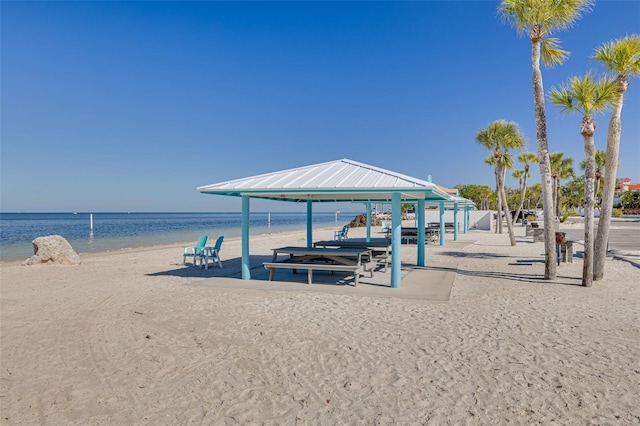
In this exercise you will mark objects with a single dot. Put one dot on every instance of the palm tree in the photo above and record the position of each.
(519, 176)
(507, 163)
(500, 136)
(586, 96)
(525, 158)
(561, 168)
(540, 19)
(621, 57)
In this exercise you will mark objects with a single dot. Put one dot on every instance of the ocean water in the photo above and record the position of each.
(112, 231)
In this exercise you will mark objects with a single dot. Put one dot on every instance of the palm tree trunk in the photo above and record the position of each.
(550, 257)
(499, 204)
(505, 206)
(589, 198)
(606, 207)
(558, 210)
(523, 190)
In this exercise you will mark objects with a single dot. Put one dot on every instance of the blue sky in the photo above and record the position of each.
(128, 106)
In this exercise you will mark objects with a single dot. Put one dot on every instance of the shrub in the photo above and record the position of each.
(617, 212)
(566, 215)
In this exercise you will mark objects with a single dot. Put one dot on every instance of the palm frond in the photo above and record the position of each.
(560, 165)
(484, 138)
(551, 52)
(621, 56)
(500, 136)
(585, 94)
(550, 15)
(527, 158)
(564, 97)
(490, 160)
(605, 94)
(560, 15)
(515, 13)
(506, 160)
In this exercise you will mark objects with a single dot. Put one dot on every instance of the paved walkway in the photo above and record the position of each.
(624, 237)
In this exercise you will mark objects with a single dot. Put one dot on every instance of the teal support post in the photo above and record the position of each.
(441, 223)
(309, 224)
(368, 205)
(455, 221)
(466, 219)
(246, 263)
(396, 235)
(421, 227)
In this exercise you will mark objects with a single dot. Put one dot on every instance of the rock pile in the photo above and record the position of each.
(361, 220)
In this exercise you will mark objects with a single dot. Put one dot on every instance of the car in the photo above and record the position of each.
(523, 214)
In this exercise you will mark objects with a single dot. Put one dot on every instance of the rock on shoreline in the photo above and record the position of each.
(54, 249)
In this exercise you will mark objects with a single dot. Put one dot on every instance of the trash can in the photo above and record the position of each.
(561, 238)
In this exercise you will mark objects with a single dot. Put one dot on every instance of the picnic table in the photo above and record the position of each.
(353, 260)
(380, 248)
(431, 233)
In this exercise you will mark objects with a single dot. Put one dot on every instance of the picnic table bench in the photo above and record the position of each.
(380, 248)
(352, 260)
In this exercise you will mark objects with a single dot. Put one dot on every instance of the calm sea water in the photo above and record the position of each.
(126, 230)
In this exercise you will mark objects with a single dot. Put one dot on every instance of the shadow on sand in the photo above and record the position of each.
(231, 268)
(485, 255)
(509, 276)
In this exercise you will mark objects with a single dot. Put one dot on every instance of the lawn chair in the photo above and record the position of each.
(194, 251)
(386, 227)
(211, 253)
(341, 235)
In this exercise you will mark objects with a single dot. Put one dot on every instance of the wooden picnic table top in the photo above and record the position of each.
(320, 251)
(344, 256)
(374, 243)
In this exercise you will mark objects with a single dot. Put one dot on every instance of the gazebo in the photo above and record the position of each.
(344, 181)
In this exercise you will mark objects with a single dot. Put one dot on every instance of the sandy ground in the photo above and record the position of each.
(134, 337)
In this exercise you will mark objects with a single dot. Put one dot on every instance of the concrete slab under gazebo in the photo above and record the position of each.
(342, 181)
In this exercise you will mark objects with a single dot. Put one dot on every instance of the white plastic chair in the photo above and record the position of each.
(194, 251)
(341, 235)
(211, 253)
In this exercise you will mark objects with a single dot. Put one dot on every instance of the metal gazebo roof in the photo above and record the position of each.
(340, 180)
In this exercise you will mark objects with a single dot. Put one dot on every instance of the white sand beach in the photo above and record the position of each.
(134, 337)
